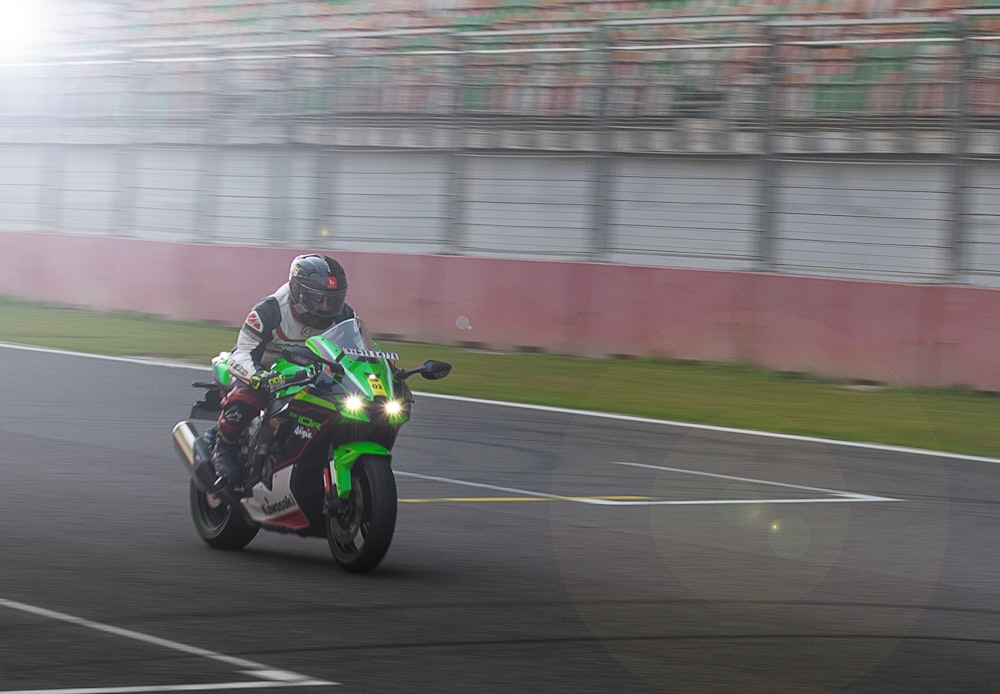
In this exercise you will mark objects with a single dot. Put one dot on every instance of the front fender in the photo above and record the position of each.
(343, 458)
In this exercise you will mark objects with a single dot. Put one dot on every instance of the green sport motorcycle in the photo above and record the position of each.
(317, 459)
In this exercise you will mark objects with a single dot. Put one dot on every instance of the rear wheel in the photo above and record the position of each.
(218, 523)
(359, 530)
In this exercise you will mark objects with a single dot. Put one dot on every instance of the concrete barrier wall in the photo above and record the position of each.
(870, 218)
(898, 333)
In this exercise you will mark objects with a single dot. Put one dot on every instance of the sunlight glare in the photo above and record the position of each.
(20, 27)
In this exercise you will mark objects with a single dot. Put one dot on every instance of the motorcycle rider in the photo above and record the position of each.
(311, 301)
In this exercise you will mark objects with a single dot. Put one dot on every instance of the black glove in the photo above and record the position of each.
(267, 380)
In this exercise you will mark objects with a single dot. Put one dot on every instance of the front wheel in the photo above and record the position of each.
(218, 523)
(359, 530)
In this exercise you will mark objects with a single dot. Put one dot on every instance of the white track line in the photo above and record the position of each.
(217, 686)
(578, 413)
(481, 485)
(151, 361)
(271, 676)
(724, 430)
(834, 496)
(751, 480)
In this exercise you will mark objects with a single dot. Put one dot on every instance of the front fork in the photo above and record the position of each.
(337, 475)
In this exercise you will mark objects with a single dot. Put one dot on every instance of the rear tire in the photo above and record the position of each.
(218, 523)
(360, 533)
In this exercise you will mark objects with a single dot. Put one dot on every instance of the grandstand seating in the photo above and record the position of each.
(91, 22)
(376, 74)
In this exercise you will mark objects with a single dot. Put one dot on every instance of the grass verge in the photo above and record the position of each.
(731, 395)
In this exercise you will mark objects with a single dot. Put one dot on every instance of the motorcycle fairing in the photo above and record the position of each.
(299, 428)
(277, 506)
(220, 366)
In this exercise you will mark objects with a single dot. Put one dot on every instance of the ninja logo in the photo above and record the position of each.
(302, 432)
(308, 422)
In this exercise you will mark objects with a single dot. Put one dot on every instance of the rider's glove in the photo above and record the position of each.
(267, 380)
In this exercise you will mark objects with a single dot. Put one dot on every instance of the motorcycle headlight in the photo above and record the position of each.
(396, 411)
(353, 403)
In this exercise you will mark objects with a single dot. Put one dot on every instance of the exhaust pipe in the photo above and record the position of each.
(184, 437)
(196, 456)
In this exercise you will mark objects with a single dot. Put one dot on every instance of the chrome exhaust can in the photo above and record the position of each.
(196, 454)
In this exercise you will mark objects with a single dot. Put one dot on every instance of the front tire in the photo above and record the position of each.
(359, 532)
(218, 523)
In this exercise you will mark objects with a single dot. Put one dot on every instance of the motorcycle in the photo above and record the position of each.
(317, 460)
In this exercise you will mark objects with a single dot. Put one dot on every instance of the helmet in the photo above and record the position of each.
(318, 287)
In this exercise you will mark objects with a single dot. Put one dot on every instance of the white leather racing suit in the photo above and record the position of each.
(271, 326)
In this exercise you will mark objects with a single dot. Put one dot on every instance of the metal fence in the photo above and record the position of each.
(853, 148)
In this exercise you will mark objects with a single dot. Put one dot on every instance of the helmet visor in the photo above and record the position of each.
(323, 304)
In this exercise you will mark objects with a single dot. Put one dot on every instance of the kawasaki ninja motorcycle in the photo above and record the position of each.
(317, 459)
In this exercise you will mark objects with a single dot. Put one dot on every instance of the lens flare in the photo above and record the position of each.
(353, 403)
(20, 28)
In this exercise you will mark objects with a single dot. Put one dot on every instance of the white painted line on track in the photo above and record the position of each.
(272, 677)
(151, 361)
(724, 430)
(481, 485)
(216, 686)
(752, 480)
(731, 502)
(579, 413)
(834, 496)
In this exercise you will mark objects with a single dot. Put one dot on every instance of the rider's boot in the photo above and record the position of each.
(225, 460)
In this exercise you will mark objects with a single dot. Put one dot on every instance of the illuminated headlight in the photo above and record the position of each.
(396, 411)
(353, 403)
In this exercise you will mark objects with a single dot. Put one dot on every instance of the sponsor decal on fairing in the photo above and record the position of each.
(370, 354)
(270, 508)
(277, 507)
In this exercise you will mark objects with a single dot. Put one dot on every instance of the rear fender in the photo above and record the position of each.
(343, 459)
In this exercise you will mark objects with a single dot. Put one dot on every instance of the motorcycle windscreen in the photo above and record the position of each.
(351, 334)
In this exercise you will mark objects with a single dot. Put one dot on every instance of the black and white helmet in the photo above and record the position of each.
(318, 288)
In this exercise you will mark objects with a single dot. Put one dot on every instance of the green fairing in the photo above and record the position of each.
(306, 397)
(321, 346)
(359, 416)
(224, 376)
(290, 371)
(221, 364)
(344, 459)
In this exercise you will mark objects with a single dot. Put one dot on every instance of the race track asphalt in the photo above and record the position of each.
(535, 551)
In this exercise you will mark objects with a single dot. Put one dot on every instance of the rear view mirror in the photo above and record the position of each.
(433, 370)
(430, 369)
